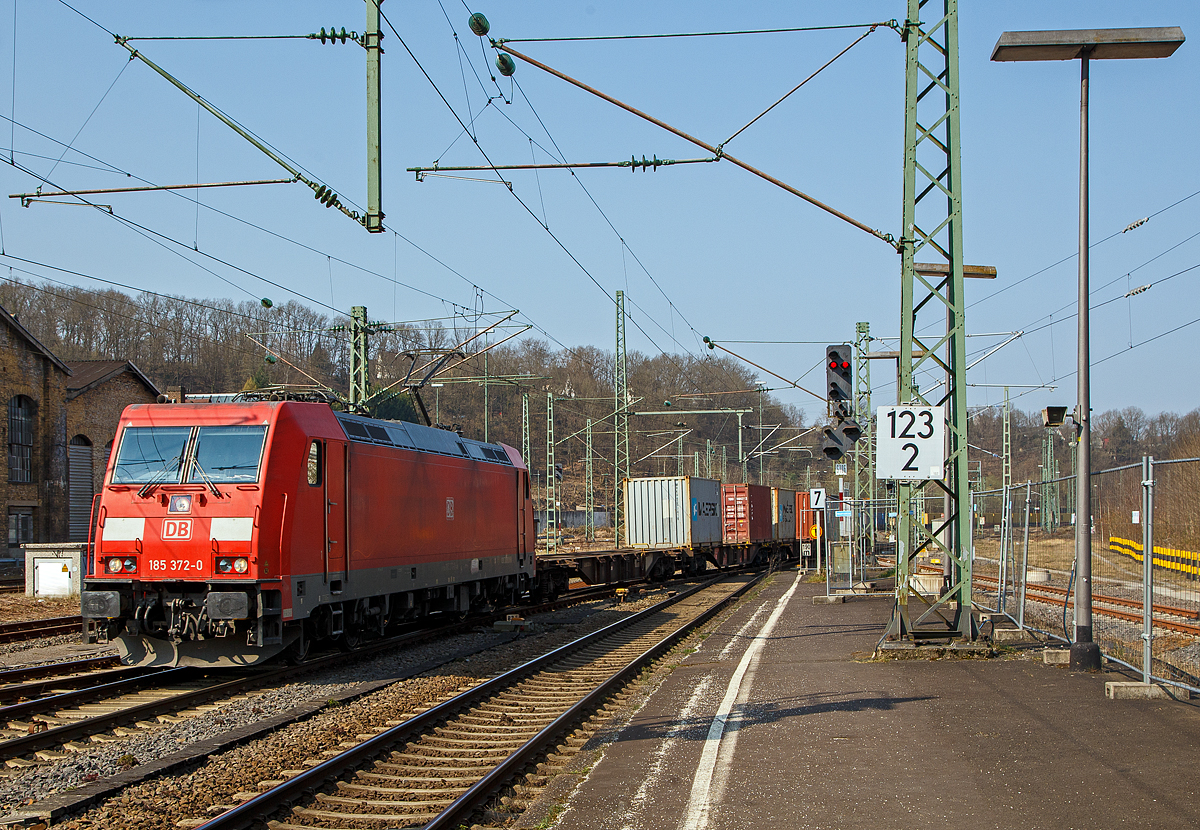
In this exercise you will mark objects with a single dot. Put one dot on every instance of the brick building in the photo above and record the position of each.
(55, 416)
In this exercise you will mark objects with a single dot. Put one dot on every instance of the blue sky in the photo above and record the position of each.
(703, 249)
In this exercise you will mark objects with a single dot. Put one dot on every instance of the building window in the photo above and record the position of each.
(20, 440)
(20, 529)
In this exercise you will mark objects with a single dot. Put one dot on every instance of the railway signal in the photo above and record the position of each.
(838, 376)
(838, 438)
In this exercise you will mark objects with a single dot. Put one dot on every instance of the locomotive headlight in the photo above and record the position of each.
(241, 564)
(130, 565)
(113, 566)
(224, 566)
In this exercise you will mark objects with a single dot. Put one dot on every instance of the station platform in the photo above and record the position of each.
(780, 719)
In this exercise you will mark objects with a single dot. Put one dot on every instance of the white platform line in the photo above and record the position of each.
(699, 806)
(658, 764)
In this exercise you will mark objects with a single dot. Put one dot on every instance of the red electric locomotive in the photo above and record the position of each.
(227, 533)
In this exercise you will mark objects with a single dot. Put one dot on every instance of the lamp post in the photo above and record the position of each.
(1086, 45)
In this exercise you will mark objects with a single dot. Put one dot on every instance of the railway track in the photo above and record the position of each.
(12, 585)
(29, 683)
(438, 767)
(45, 719)
(1114, 607)
(33, 629)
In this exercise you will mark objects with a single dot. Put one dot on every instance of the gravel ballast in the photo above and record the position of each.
(163, 801)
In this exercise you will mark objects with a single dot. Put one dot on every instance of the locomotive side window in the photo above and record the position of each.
(150, 454)
(227, 454)
(314, 463)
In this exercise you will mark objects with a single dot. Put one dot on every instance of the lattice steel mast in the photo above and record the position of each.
(864, 449)
(589, 498)
(932, 227)
(621, 418)
(551, 480)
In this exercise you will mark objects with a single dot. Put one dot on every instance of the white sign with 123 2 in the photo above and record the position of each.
(910, 443)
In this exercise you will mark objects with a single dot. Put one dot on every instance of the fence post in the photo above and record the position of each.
(1025, 556)
(1147, 565)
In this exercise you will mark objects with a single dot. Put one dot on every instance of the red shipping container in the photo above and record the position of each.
(804, 516)
(746, 513)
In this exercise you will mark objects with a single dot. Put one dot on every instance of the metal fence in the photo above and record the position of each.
(861, 543)
(1145, 610)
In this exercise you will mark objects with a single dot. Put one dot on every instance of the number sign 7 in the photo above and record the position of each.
(910, 442)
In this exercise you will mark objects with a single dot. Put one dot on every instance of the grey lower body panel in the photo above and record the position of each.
(311, 591)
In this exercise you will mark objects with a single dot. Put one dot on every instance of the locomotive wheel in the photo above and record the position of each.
(299, 650)
(349, 640)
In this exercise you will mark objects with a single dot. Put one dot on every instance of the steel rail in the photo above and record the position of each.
(254, 809)
(1053, 595)
(43, 686)
(88, 664)
(33, 629)
(1167, 610)
(56, 736)
(461, 808)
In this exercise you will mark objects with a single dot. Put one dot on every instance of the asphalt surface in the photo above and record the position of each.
(817, 735)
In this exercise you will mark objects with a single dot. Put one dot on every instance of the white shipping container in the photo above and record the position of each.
(783, 514)
(672, 512)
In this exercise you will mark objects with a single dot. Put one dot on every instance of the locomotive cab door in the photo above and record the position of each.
(336, 506)
(522, 495)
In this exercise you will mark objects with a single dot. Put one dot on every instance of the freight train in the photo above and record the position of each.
(228, 533)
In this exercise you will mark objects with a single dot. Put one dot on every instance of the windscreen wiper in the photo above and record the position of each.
(157, 478)
(205, 478)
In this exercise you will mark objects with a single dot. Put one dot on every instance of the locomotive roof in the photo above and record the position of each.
(357, 428)
(418, 437)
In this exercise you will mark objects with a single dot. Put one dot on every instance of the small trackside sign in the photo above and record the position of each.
(449, 508)
(176, 530)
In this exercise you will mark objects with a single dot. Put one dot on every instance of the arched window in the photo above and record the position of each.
(20, 440)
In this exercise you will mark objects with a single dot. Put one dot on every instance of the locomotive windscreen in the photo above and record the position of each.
(150, 454)
(156, 455)
(226, 454)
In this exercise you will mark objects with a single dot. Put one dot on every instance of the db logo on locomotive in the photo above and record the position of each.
(177, 529)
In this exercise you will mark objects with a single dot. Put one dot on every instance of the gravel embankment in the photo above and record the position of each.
(164, 801)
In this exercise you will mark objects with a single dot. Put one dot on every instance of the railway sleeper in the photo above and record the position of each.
(428, 763)
(462, 728)
(387, 781)
(472, 740)
(441, 752)
(379, 818)
(490, 724)
(386, 804)
(453, 792)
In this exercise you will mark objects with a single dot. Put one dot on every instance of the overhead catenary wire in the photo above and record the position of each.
(491, 164)
(162, 239)
(150, 230)
(787, 95)
(889, 23)
(147, 230)
(87, 120)
(1112, 235)
(107, 167)
(884, 237)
